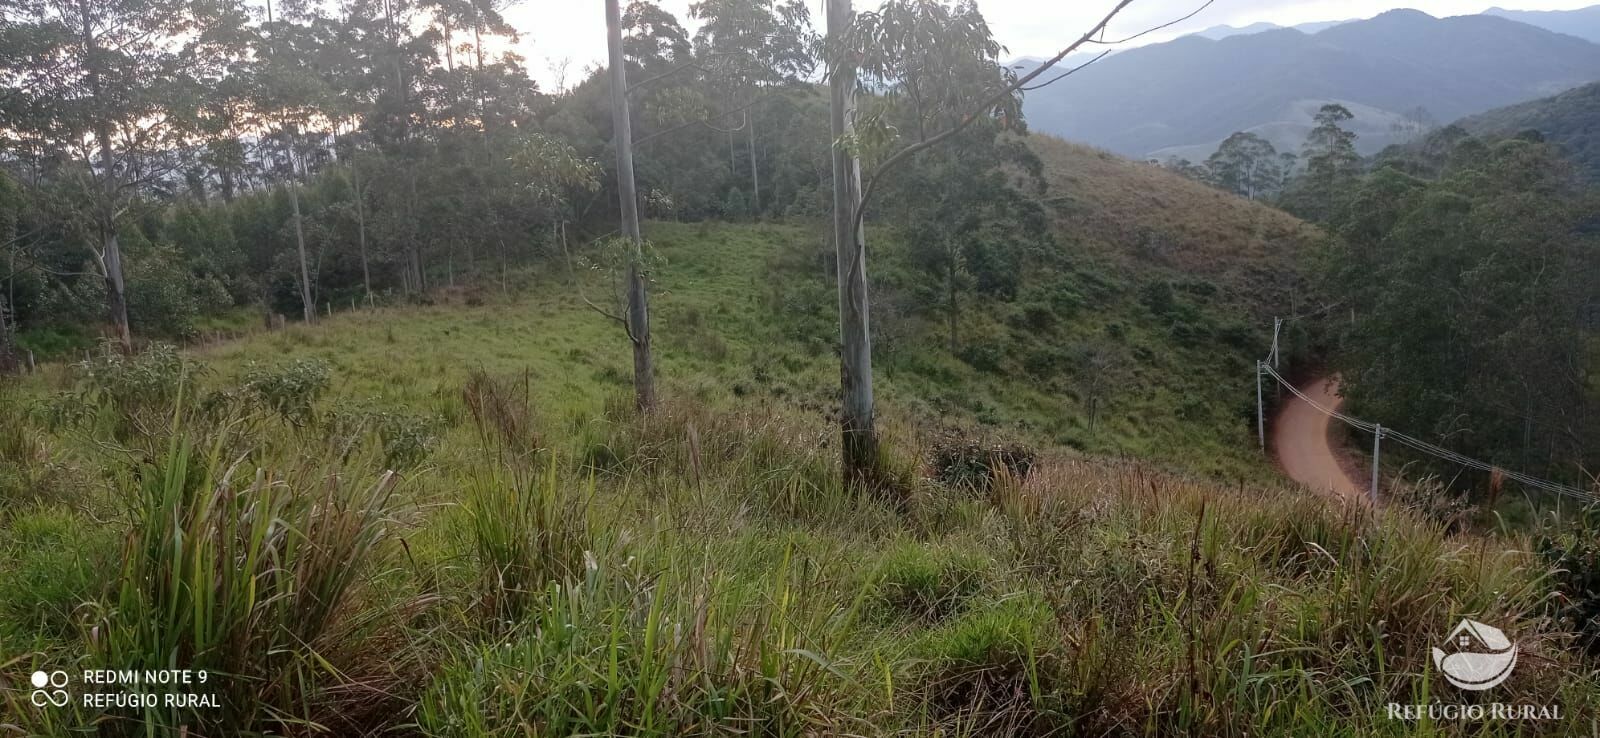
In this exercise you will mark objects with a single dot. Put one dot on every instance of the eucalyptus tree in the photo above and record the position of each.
(637, 322)
(747, 47)
(10, 208)
(943, 59)
(1246, 165)
(103, 82)
(291, 95)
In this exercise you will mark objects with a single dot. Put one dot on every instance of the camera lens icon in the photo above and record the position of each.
(48, 689)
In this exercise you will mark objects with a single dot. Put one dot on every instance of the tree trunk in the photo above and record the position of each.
(111, 259)
(954, 308)
(8, 351)
(361, 228)
(755, 176)
(638, 319)
(413, 246)
(300, 245)
(860, 440)
(116, 288)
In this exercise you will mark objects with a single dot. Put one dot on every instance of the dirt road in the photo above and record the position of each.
(1300, 441)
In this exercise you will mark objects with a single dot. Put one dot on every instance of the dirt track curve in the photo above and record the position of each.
(1300, 440)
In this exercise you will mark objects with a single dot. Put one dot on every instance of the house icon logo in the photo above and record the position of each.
(1481, 656)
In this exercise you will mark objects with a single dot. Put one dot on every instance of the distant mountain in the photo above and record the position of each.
(1583, 23)
(1571, 119)
(1195, 91)
(1217, 33)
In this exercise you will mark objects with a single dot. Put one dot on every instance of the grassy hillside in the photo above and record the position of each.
(1571, 119)
(543, 561)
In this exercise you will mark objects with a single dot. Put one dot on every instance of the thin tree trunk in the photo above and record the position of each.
(361, 227)
(300, 246)
(8, 351)
(954, 308)
(638, 319)
(755, 176)
(503, 289)
(413, 247)
(859, 438)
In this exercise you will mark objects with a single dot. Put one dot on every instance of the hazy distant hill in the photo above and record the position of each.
(1217, 33)
(1571, 119)
(1195, 91)
(1583, 23)
(1375, 128)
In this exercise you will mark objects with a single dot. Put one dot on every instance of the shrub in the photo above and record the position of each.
(981, 355)
(1047, 361)
(407, 438)
(969, 463)
(123, 395)
(1573, 553)
(291, 390)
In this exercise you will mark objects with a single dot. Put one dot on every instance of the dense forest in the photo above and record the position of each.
(1465, 269)
(171, 160)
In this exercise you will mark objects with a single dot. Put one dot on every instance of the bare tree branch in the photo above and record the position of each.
(977, 112)
(1148, 31)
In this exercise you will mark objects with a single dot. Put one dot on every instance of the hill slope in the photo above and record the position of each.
(1571, 119)
(553, 561)
(1195, 90)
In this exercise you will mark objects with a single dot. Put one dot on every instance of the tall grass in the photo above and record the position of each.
(250, 574)
(700, 572)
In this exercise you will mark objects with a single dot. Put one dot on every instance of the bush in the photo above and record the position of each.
(291, 389)
(408, 438)
(981, 355)
(125, 396)
(968, 463)
(1573, 553)
(1047, 361)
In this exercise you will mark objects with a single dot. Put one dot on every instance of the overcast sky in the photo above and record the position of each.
(573, 31)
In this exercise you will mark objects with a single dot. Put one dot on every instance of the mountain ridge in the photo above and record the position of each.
(1195, 90)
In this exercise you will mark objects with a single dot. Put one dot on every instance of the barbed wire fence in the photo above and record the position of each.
(1269, 368)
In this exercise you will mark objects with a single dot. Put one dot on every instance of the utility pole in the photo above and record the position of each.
(1276, 324)
(860, 440)
(1261, 417)
(1377, 438)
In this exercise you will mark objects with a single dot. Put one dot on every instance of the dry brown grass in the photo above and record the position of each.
(1145, 216)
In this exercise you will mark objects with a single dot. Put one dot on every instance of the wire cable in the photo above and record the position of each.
(1422, 446)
